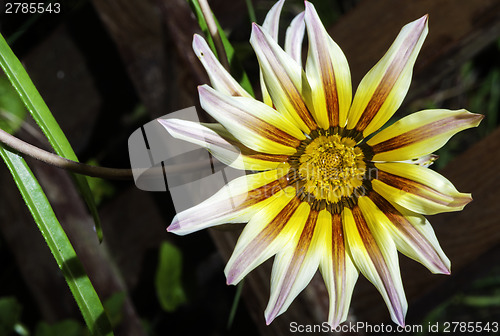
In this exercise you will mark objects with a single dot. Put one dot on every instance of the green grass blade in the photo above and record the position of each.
(43, 117)
(235, 304)
(236, 69)
(251, 11)
(59, 244)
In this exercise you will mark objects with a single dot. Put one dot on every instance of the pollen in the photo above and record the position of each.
(328, 169)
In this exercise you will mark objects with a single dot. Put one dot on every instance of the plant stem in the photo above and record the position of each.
(251, 11)
(58, 161)
(102, 172)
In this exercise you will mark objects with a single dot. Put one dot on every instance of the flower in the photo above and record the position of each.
(324, 189)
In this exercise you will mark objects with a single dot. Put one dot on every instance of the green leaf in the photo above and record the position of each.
(168, 280)
(251, 11)
(43, 117)
(235, 304)
(12, 109)
(63, 328)
(235, 66)
(59, 244)
(114, 307)
(10, 312)
(482, 301)
(101, 189)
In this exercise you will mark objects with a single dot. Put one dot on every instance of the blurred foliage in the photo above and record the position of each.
(479, 302)
(62, 328)
(475, 87)
(101, 189)
(40, 112)
(113, 307)
(10, 323)
(12, 110)
(10, 314)
(236, 69)
(168, 281)
(11, 319)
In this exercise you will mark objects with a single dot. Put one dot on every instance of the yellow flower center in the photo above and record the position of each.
(328, 169)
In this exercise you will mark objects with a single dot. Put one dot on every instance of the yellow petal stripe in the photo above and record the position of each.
(253, 123)
(338, 271)
(383, 89)
(413, 235)
(264, 235)
(417, 188)
(420, 133)
(374, 254)
(284, 79)
(236, 202)
(295, 266)
(328, 74)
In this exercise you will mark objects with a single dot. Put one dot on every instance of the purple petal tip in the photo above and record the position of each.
(269, 319)
(400, 318)
(163, 122)
(173, 227)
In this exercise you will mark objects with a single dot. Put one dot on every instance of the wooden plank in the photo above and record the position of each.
(458, 29)
(37, 265)
(311, 307)
(136, 29)
(466, 236)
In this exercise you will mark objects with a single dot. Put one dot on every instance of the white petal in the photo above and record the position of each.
(284, 78)
(337, 269)
(296, 264)
(424, 161)
(420, 133)
(383, 89)
(222, 145)
(295, 37)
(271, 26)
(219, 77)
(412, 234)
(417, 188)
(253, 123)
(328, 74)
(236, 202)
(375, 255)
(267, 232)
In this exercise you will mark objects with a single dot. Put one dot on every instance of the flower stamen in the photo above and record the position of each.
(327, 170)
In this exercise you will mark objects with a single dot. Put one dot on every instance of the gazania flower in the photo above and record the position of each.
(323, 189)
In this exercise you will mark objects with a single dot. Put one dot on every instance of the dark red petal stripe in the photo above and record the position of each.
(377, 259)
(389, 79)
(299, 255)
(424, 132)
(265, 237)
(421, 190)
(256, 124)
(293, 96)
(328, 81)
(408, 230)
(339, 258)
